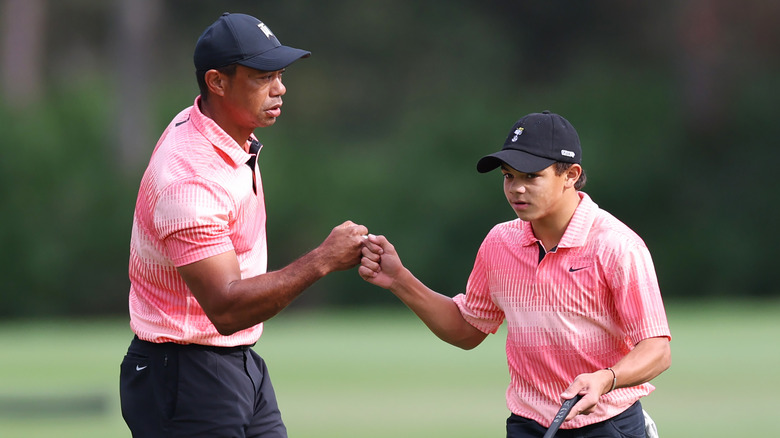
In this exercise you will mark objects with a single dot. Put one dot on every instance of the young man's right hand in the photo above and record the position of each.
(382, 267)
(380, 264)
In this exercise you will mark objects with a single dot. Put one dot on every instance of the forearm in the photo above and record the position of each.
(382, 266)
(253, 300)
(234, 304)
(439, 312)
(645, 362)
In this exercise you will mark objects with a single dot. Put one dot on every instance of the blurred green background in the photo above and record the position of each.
(674, 102)
(383, 125)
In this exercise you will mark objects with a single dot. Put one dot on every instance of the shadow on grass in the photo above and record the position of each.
(48, 406)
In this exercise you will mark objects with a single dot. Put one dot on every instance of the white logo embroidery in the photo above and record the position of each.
(265, 30)
(566, 153)
(140, 368)
(518, 133)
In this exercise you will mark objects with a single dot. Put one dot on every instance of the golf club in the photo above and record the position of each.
(561, 415)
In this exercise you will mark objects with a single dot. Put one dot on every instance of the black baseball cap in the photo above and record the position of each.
(535, 142)
(243, 39)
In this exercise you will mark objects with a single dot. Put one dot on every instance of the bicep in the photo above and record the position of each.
(656, 347)
(467, 335)
(649, 358)
(209, 279)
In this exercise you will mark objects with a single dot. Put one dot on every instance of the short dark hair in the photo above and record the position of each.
(561, 167)
(200, 76)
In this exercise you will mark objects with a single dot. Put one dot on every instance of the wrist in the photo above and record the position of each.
(612, 382)
(402, 282)
(316, 262)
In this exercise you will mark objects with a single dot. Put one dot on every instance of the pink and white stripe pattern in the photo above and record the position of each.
(195, 201)
(581, 309)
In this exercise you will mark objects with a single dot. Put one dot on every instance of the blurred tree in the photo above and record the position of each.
(674, 102)
(23, 34)
(726, 55)
(136, 35)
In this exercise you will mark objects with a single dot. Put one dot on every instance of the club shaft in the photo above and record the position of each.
(561, 415)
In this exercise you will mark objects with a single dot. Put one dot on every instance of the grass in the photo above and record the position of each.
(382, 374)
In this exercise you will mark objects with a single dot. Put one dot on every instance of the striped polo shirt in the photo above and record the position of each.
(580, 309)
(196, 200)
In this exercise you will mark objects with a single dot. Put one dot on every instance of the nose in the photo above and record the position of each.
(517, 186)
(278, 88)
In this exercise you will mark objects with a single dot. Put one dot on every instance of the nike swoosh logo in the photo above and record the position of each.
(573, 269)
(140, 368)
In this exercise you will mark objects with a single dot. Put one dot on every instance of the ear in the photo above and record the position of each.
(215, 81)
(573, 174)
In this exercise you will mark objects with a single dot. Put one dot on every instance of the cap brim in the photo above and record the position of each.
(518, 160)
(275, 59)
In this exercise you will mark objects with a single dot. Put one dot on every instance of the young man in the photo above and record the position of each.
(576, 286)
(199, 288)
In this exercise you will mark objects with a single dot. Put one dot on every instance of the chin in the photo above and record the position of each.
(266, 123)
(523, 215)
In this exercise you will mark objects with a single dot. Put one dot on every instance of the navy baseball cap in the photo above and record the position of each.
(535, 142)
(243, 39)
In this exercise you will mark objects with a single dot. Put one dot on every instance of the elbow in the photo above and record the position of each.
(226, 330)
(225, 318)
(664, 357)
(225, 324)
(666, 361)
(226, 313)
(467, 344)
(229, 319)
(469, 341)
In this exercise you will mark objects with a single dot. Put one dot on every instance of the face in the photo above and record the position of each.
(253, 98)
(535, 196)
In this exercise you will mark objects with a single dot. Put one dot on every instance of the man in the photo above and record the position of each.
(576, 287)
(199, 288)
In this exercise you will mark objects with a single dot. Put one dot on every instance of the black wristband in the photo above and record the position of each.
(614, 380)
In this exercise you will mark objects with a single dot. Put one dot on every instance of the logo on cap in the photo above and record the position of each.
(265, 30)
(566, 153)
(518, 133)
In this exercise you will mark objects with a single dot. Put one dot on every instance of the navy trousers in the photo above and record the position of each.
(173, 390)
(628, 424)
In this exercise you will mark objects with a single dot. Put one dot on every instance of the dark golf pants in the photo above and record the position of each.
(628, 424)
(173, 390)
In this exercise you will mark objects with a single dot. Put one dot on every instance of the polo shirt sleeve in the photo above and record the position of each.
(192, 218)
(637, 295)
(477, 305)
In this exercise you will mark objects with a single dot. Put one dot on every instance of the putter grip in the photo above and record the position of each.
(561, 415)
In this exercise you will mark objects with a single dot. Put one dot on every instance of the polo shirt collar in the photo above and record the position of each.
(218, 137)
(576, 233)
(581, 222)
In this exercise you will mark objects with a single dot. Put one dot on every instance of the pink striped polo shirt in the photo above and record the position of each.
(195, 201)
(581, 309)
